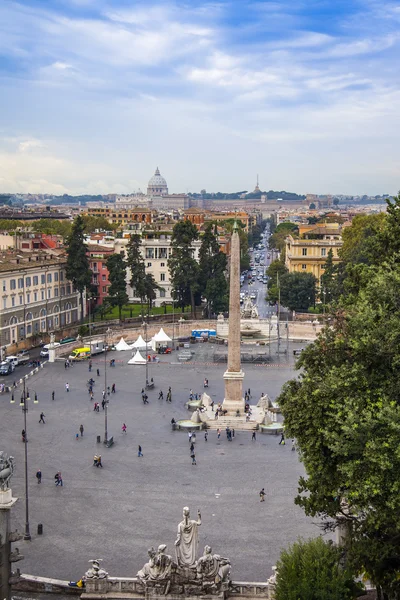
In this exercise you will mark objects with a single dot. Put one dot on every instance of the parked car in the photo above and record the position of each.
(297, 351)
(6, 368)
(44, 353)
(66, 340)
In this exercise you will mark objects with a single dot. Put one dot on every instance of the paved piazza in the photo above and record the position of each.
(118, 512)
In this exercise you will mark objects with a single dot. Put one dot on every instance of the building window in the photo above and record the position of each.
(149, 264)
(12, 284)
(43, 325)
(28, 298)
(162, 293)
(48, 277)
(62, 291)
(28, 281)
(323, 251)
(62, 276)
(104, 277)
(68, 289)
(162, 264)
(35, 296)
(20, 283)
(49, 293)
(35, 280)
(56, 292)
(29, 316)
(55, 276)
(149, 252)
(43, 278)
(4, 302)
(304, 266)
(104, 289)
(13, 301)
(55, 321)
(29, 330)
(304, 251)
(162, 276)
(42, 294)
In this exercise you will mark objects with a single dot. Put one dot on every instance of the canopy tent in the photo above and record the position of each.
(160, 339)
(140, 344)
(137, 359)
(122, 345)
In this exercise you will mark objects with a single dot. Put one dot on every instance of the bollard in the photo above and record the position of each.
(40, 529)
(98, 439)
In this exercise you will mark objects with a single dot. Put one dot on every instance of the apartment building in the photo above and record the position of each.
(308, 252)
(36, 297)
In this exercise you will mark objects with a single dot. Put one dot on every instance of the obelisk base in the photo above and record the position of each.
(233, 400)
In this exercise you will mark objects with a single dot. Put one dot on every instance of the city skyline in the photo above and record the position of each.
(95, 94)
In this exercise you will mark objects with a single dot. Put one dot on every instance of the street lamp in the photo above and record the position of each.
(24, 405)
(107, 334)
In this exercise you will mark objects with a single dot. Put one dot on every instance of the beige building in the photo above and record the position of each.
(36, 297)
(308, 252)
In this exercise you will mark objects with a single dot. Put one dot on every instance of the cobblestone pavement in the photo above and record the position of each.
(118, 512)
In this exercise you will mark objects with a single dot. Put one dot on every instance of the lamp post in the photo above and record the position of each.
(173, 323)
(107, 334)
(147, 362)
(23, 403)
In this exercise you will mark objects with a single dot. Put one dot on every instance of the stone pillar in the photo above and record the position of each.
(233, 376)
(6, 503)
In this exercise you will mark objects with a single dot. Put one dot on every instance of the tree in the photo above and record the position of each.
(312, 206)
(275, 271)
(53, 227)
(137, 268)
(243, 238)
(328, 278)
(183, 268)
(311, 570)
(117, 295)
(212, 278)
(78, 268)
(278, 238)
(336, 201)
(297, 290)
(344, 412)
(150, 288)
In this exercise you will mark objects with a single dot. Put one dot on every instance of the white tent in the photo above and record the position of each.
(140, 344)
(160, 339)
(122, 345)
(137, 359)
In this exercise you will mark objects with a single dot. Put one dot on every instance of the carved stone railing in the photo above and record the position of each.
(251, 589)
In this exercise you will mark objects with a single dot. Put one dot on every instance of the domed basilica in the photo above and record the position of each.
(157, 185)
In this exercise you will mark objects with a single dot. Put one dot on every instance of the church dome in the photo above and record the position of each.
(157, 185)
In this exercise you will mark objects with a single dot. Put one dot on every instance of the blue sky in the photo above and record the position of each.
(94, 94)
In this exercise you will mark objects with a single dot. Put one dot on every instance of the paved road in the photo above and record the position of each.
(117, 512)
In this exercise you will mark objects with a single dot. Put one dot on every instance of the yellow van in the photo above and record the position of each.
(80, 354)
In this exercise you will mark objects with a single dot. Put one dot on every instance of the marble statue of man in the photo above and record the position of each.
(187, 540)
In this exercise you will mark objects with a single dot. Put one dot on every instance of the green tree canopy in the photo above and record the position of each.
(344, 412)
(117, 295)
(297, 291)
(78, 269)
(277, 239)
(184, 270)
(212, 276)
(312, 570)
(53, 227)
(135, 262)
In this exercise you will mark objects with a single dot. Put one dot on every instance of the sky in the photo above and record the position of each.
(95, 94)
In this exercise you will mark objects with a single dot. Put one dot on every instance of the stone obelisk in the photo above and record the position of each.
(233, 376)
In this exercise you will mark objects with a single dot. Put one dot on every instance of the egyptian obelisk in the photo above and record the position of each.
(233, 376)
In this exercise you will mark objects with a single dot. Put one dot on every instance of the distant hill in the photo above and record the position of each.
(271, 195)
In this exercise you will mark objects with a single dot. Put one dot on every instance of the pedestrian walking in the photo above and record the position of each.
(67, 386)
(205, 436)
(212, 405)
(103, 404)
(104, 394)
(293, 445)
(253, 436)
(42, 416)
(39, 476)
(58, 479)
(108, 390)
(249, 393)
(66, 365)
(52, 395)
(90, 366)
(190, 395)
(218, 433)
(139, 451)
(98, 372)
(262, 495)
(193, 457)
(123, 428)
(23, 434)
(192, 447)
(233, 433)
(190, 435)
(282, 440)
(113, 388)
(81, 429)
(77, 436)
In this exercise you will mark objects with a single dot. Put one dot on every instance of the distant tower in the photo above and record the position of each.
(157, 185)
(257, 188)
